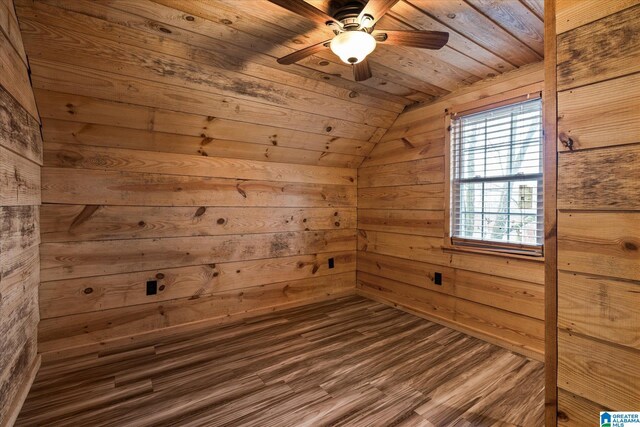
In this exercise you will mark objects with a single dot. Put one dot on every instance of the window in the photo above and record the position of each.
(496, 178)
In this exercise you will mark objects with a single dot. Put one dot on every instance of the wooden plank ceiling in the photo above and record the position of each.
(207, 70)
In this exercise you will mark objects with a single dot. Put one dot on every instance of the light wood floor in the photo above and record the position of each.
(348, 362)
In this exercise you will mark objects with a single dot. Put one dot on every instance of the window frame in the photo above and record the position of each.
(456, 244)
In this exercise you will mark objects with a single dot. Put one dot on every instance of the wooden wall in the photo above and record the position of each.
(160, 164)
(598, 79)
(401, 192)
(20, 161)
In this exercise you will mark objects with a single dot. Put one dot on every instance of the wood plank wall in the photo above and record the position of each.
(20, 162)
(401, 193)
(232, 197)
(598, 79)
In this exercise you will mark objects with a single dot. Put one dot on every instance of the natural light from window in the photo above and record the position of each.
(496, 177)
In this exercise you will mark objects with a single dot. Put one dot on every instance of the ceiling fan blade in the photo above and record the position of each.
(421, 39)
(306, 10)
(361, 70)
(303, 53)
(376, 9)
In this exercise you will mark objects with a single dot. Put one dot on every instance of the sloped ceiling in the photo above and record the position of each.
(203, 73)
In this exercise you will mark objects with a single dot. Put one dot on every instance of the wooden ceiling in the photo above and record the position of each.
(204, 72)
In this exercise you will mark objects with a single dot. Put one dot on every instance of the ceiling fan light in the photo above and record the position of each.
(353, 46)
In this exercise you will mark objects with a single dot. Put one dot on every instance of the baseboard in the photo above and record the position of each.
(18, 400)
(135, 341)
(527, 352)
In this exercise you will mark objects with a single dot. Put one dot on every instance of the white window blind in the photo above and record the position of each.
(496, 178)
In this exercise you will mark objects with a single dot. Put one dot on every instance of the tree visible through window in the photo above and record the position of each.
(496, 178)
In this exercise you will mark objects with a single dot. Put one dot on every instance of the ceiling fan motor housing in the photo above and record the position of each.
(348, 15)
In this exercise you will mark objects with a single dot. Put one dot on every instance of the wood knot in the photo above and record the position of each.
(201, 210)
(353, 94)
(323, 63)
(159, 276)
(142, 224)
(164, 30)
(337, 224)
(221, 221)
(189, 18)
(88, 291)
(162, 287)
(630, 246)
(241, 191)
(567, 141)
(329, 129)
(226, 21)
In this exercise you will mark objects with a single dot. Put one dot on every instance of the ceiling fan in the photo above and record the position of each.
(355, 37)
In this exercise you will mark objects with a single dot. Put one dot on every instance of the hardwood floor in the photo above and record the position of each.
(350, 362)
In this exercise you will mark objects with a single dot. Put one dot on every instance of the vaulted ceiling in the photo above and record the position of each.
(203, 74)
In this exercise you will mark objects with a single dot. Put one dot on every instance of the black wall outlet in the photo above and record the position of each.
(331, 263)
(152, 287)
(437, 278)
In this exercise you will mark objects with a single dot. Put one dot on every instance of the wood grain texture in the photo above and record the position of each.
(95, 258)
(418, 222)
(14, 76)
(611, 248)
(486, 322)
(580, 114)
(67, 223)
(10, 27)
(576, 411)
(597, 371)
(572, 14)
(181, 133)
(19, 131)
(401, 228)
(600, 307)
(19, 180)
(550, 199)
(345, 362)
(597, 261)
(69, 333)
(93, 187)
(600, 179)
(83, 295)
(425, 171)
(503, 293)
(20, 161)
(93, 158)
(617, 53)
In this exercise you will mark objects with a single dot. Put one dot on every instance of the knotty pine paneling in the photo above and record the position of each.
(68, 223)
(91, 331)
(580, 114)
(401, 193)
(20, 162)
(598, 234)
(170, 156)
(203, 238)
(83, 295)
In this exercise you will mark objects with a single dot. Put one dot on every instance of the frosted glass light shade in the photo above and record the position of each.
(353, 46)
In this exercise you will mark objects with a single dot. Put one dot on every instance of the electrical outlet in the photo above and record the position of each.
(152, 287)
(437, 278)
(331, 263)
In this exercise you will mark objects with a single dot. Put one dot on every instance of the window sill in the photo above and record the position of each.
(458, 249)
